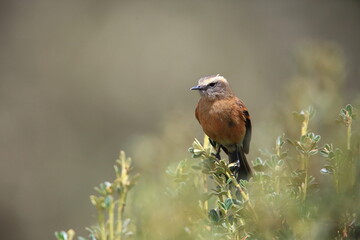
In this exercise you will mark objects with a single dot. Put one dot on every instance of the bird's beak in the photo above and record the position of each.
(197, 88)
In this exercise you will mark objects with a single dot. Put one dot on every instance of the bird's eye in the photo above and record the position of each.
(212, 84)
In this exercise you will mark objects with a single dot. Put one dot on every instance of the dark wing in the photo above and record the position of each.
(246, 116)
(247, 138)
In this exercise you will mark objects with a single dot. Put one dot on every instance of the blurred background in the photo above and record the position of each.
(82, 80)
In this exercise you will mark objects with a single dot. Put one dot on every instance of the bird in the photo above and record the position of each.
(226, 121)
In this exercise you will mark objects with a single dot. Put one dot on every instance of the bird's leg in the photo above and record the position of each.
(217, 155)
(212, 142)
(217, 147)
(224, 149)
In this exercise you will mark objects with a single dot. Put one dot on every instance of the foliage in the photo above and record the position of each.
(110, 205)
(282, 200)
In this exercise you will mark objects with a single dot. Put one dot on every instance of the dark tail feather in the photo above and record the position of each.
(243, 170)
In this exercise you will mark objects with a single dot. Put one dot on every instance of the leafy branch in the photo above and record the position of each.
(110, 205)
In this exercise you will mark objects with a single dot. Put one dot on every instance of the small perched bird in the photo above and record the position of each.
(226, 121)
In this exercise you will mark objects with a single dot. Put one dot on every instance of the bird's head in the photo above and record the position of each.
(213, 87)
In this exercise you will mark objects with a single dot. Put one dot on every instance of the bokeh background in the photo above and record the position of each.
(82, 80)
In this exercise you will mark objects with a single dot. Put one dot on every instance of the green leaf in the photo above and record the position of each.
(228, 203)
(94, 200)
(326, 170)
(92, 237)
(191, 150)
(317, 138)
(222, 205)
(213, 216)
(324, 153)
(311, 111)
(61, 235)
(108, 201)
(283, 155)
(196, 167)
(313, 152)
(279, 141)
(328, 147)
(349, 109)
(228, 181)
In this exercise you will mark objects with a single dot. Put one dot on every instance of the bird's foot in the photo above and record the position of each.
(235, 165)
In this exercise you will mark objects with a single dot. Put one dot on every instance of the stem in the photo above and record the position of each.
(237, 185)
(101, 219)
(242, 192)
(304, 127)
(349, 136)
(305, 123)
(111, 221)
(120, 214)
(306, 164)
(303, 160)
(353, 163)
(205, 186)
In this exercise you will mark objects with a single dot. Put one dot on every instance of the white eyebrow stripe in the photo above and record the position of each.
(208, 79)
